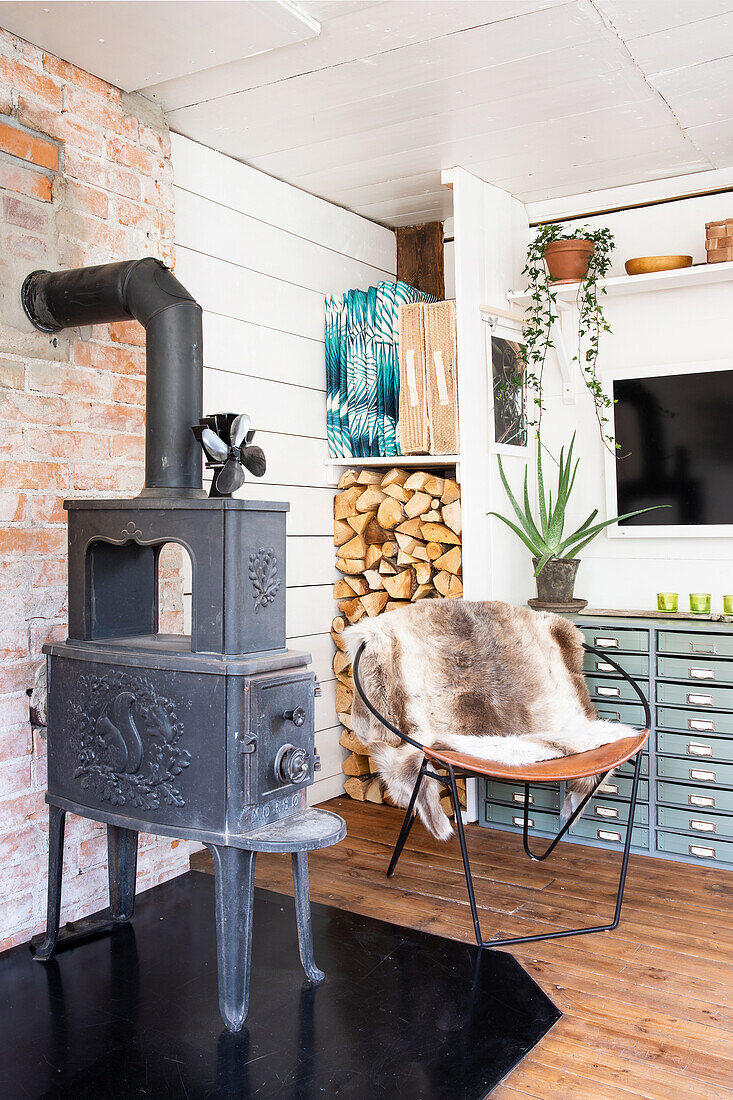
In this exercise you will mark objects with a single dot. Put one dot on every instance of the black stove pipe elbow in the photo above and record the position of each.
(146, 291)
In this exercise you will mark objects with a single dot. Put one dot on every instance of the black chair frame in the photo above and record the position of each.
(449, 782)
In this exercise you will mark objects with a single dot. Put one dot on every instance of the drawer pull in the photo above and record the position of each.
(702, 826)
(609, 691)
(606, 643)
(701, 800)
(520, 821)
(603, 666)
(609, 788)
(694, 749)
(703, 777)
(703, 853)
(701, 673)
(711, 648)
(604, 834)
(699, 700)
(606, 811)
(701, 724)
(615, 714)
(517, 797)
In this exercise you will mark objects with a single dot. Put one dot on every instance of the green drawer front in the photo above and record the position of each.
(631, 714)
(701, 696)
(620, 787)
(695, 798)
(542, 797)
(614, 811)
(704, 849)
(636, 664)
(628, 768)
(695, 822)
(616, 638)
(538, 820)
(694, 721)
(698, 645)
(705, 772)
(606, 691)
(698, 671)
(696, 747)
(611, 833)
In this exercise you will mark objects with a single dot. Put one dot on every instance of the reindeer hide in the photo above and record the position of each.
(498, 682)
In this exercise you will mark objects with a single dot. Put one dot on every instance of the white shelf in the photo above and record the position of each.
(418, 461)
(700, 275)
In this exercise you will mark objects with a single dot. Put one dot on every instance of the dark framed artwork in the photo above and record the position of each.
(506, 358)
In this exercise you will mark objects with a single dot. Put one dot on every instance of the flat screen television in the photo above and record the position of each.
(674, 429)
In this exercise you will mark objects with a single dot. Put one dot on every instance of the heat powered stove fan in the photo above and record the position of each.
(208, 737)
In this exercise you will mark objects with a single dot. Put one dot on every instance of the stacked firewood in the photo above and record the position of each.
(398, 540)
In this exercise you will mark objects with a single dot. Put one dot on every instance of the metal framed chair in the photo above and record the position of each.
(597, 762)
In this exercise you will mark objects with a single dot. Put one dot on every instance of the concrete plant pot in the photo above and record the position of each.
(555, 584)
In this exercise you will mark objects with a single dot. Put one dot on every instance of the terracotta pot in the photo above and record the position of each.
(556, 581)
(567, 261)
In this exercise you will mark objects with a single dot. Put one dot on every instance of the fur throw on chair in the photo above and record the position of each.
(487, 679)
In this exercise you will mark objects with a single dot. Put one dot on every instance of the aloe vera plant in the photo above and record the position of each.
(546, 538)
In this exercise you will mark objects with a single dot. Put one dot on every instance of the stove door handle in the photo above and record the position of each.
(297, 716)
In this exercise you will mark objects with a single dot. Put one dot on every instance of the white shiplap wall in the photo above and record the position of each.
(259, 255)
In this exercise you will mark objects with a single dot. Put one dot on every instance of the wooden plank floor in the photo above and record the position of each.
(648, 1009)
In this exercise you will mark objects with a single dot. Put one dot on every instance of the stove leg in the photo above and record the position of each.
(122, 870)
(56, 820)
(303, 914)
(234, 878)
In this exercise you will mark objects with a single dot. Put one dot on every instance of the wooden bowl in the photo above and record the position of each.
(644, 265)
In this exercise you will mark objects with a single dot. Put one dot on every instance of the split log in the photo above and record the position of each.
(401, 586)
(451, 491)
(341, 532)
(344, 698)
(374, 602)
(337, 627)
(342, 591)
(423, 592)
(374, 791)
(370, 499)
(438, 532)
(448, 585)
(357, 584)
(423, 482)
(348, 478)
(350, 741)
(360, 522)
(450, 561)
(373, 579)
(417, 504)
(395, 476)
(350, 565)
(356, 788)
(344, 504)
(411, 527)
(432, 516)
(369, 477)
(352, 609)
(354, 548)
(403, 558)
(375, 533)
(386, 568)
(357, 765)
(389, 513)
(341, 664)
(396, 491)
(452, 516)
(373, 556)
(423, 572)
(395, 605)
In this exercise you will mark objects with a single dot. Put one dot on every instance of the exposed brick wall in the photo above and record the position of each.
(85, 177)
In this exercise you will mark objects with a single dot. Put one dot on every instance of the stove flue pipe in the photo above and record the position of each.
(146, 291)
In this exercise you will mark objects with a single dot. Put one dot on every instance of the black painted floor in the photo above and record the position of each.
(402, 1015)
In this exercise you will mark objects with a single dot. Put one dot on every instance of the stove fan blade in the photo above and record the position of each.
(230, 477)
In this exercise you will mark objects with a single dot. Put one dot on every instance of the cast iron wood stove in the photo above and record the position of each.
(208, 737)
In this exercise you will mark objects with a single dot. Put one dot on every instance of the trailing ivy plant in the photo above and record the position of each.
(542, 314)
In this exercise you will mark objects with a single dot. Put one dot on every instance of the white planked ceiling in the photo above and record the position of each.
(544, 98)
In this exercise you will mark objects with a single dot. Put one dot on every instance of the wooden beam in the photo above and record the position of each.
(420, 257)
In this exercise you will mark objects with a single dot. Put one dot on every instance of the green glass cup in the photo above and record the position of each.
(728, 605)
(666, 601)
(700, 603)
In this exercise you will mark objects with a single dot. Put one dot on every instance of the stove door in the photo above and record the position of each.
(282, 722)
